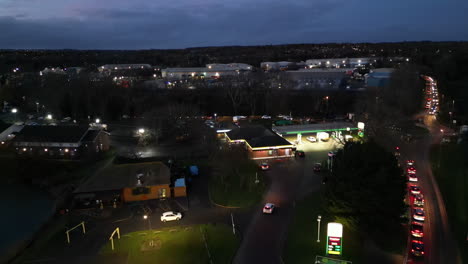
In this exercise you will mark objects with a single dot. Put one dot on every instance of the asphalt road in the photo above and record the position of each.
(440, 247)
(264, 239)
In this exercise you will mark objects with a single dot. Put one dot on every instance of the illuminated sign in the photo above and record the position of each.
(334, 239)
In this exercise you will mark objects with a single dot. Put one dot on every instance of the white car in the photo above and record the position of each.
(266, 117)
(268, 208)
(312, 139)
(412, 177)
(171, 216)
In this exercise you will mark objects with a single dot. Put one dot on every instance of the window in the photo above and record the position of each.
(141, 190)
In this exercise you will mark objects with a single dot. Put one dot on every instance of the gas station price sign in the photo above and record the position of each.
(334, 239)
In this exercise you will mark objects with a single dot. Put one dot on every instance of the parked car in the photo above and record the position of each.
(266, 117)
(171, 216)
(300, 153)
(311, 139)
(268, 208)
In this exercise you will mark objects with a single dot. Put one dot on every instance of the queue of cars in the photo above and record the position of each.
(418, 215)
(432, 96)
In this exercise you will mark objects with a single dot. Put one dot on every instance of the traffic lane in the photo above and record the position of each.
(263, 241)
(438, 240)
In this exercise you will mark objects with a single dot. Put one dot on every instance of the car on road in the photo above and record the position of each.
(264, 166)
(415, 190)
(268, 208)
(171, 216)
(411, 170)
(300, 153)
(410, 163)
(266, 117)
(417, 248)
(417, 229)
(418, 214)
(418, 200)
(412, 177)
(317, 167)
(311, 139)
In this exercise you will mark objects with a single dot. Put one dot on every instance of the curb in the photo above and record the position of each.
(222, 206)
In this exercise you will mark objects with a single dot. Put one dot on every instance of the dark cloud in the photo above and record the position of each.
(207, 23)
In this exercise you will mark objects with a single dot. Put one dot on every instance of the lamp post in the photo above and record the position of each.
(146, 217)
(440, 149)
(37, 107)
(319, 218)
(14, 111)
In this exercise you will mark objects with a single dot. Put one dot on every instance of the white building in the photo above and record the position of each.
(110, 68)
(211, 71)
(339, 62)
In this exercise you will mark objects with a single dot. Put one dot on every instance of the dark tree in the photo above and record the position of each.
(366, 189)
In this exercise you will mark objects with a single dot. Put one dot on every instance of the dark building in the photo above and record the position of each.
(261, 143)
(61, 142)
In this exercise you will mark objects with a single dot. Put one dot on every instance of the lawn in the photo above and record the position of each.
(238, 190)
(174, 245)
(452, 177)
(302, 245)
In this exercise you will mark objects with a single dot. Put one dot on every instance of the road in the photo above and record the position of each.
(265, 237)
(440, 246)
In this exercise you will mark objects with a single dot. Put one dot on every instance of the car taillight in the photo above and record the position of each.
(412, 250)
(422, 252)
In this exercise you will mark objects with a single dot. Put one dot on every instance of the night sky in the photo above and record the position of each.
(138, 24)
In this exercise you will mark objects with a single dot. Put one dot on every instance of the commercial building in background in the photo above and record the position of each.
(261, 143)
(322, 79)
(281, 66)
(340, 62)
(211, 71)
(379, 77)
(129, 183)
(60, 142)
(110, 69)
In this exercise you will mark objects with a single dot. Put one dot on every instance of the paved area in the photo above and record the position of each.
(265, 237)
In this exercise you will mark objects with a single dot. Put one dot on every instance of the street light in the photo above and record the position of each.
(141, 131)
(146, 217)
(49, 117)
(319, 218)
(37, 107)
(98, 120)
(14, 111)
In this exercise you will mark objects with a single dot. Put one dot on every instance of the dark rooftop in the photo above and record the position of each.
(90, 135)
(117, 177)
(257, 136)
(59, 134)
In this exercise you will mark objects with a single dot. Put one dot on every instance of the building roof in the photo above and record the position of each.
(90, 135)
(314, 128)
(56, 134)
(117, 177)
(257, 137)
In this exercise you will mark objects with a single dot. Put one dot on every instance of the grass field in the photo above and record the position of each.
(452, 177)
(174, 245)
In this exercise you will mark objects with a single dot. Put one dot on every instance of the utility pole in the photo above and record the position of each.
(233, 225)
(319, 218)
